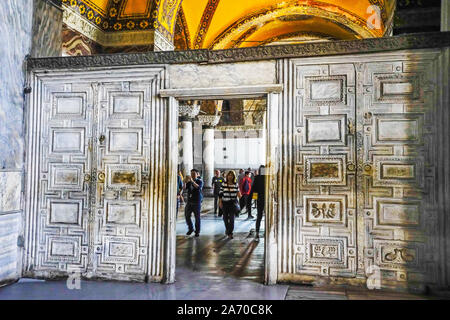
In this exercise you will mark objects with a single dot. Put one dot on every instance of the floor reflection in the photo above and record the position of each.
(214, 255)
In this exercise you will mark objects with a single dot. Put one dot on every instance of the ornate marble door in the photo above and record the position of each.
(62, 164)
(364, 158)
(122, 168)
(96, 199)
(397, 167)
(325, 158)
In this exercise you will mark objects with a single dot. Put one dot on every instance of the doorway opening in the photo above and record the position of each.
(214, 138)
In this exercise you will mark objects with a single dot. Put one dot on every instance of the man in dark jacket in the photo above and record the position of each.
(194, 187)
(259, 187)
(179, 192)
(217, 182)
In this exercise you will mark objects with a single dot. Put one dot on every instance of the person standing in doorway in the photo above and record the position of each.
(229, 202)
(217, 182)
(194, 187)
(245, 187)
(240, 176)
(180, 199)
(259, 187)
(252, 175)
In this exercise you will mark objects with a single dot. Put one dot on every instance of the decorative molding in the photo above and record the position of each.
(355, 24)
(221, 92)
(188, 109)
(412, 41)
(209, 121)
(183, 35)
(205, 22)
(240, 128)
(110, 39)
(161, 43)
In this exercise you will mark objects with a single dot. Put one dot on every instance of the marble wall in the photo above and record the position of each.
(222, 75)
(47, 29)
(16, 30)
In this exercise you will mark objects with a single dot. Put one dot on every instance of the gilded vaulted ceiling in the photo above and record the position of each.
(122, 22)
(218, 24)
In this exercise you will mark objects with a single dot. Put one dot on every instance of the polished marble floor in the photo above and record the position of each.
(208, 267)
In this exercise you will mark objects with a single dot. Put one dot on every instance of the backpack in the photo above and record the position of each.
(246, 186)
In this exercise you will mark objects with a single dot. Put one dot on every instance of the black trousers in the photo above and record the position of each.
(229, 211)
(216, 205)
(249, 205)
(193, 208)
(260, 204)
(246, 202)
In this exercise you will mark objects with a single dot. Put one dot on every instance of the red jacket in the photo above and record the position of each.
(241, 186)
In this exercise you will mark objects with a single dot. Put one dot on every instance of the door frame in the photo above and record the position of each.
(272, 93)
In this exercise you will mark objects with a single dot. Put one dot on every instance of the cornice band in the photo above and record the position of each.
(412, 41)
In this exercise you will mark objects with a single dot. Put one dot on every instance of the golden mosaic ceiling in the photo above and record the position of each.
(218, 24)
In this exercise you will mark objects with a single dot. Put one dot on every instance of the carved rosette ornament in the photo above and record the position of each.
(188, 110)
(209, 121)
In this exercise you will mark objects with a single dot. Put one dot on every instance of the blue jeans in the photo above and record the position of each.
(193, 208)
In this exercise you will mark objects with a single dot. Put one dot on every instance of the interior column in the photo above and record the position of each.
(208, 122)
(188, 110)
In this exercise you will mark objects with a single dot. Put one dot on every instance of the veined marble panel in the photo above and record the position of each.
(222, 75)
(68, 140)
(69, 106)
(391, 212)
(16, 33)
(125, 141)
(123, 213)
(15, 30)
(47, 30)
(10, 191)
(67, 177)
(325, 130)
(127, 104)
(393, 129)
(66, 212)
(9, 231)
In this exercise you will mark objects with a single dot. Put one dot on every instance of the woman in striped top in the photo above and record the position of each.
(229, 202)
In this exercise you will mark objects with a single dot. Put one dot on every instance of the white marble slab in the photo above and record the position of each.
(10, 191)
(222, 75)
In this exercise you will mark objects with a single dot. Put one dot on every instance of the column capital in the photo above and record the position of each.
(188, 110)
(209, 121)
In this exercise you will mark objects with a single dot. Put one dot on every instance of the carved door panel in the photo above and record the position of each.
(397, 181)
(122, 166)
(324, 128)
(64, 168)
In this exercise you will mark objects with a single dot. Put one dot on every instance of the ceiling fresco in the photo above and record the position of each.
(122, 22)
(219, 24)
